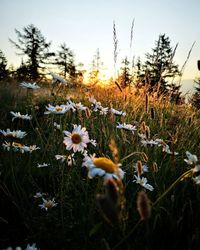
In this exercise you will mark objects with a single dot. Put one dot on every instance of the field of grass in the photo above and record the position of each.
(59, 207)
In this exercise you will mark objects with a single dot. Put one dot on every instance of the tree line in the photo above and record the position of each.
(156, 73)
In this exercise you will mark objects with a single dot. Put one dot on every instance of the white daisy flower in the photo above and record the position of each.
(70, 160)
(143, 182)
(56, 125)
(7, 145)
(77, 106)
(58, 79)
(23, 148)
(125, 126)
(43, 165)
(167, 150)
(15, 133)
(103, 167)
(58, 109)
(28, 85)
(31, 247)
(62, 158)
(93, 142)
(191, 159)
(47, 204)
(38, 195)
(196, 179)
(77, 140)
(117, 112)
(103, 111)
(18, 115)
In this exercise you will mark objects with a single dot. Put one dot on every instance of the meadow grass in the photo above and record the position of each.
(84, 216)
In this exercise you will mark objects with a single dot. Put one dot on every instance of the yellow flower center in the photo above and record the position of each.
(59, 109)
(10, 135)
(17, 144)
(76, 138)
(105, 164)
(49, 204)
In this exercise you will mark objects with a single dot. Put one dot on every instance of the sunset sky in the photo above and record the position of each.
(85, 25)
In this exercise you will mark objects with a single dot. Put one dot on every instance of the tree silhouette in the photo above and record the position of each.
(124, 78)
(95, 69)
(4, 73)
(65, 61)
(159, 66)
(32, 43)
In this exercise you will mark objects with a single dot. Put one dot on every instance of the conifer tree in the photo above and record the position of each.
(32, 43)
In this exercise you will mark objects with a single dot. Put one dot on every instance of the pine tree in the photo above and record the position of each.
(95, 70)
(4, 73)
(195, 99)
(125, 76)
(65, 61)
(32, 43)
(159, 67)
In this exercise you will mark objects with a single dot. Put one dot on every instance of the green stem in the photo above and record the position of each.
(172, 185)
(159, 198)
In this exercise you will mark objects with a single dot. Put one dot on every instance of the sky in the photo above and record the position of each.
(85, 25)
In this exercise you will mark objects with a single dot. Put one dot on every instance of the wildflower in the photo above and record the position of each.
(103, 110)
(43, 165)
(7, 145)
(15, 133)
(56, 125)
(29, 85)
(125, 126)
(77, 140)
(61, 157)
(18, 115)
(58, 79)
(167, 150)
(143, 205)
(103, 167)
(38, 195)
(47, 204)
(77, 106)
(19, 147)
(118, 113)
(192, 160)
(58, 109)
(143, 182)
(93, 142)
(31, 247)
(197, 179)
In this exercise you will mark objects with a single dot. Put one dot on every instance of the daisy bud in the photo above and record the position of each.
(143, 205)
